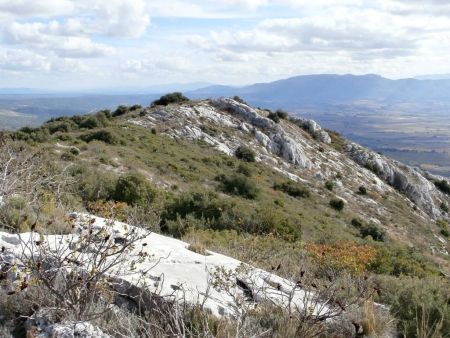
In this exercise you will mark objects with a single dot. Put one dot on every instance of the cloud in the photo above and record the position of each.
(184, 40)
(44, 8)
(121, 18)
(57, 38)
(22, 60)
(157, 65)
(360, 33)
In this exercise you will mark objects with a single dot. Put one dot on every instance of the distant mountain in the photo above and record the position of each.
(23, 91)
(434, 77)
(326, 89)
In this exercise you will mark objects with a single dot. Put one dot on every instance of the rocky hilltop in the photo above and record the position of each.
(302, 151)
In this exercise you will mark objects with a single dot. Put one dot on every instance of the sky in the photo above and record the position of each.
(87, 44)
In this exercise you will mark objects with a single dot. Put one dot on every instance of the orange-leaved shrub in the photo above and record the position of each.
(342, 255)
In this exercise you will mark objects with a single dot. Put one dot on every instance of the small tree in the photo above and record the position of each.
(337, 204)
(245, 153)
(134, 189)
(167, 99)
(238, 184)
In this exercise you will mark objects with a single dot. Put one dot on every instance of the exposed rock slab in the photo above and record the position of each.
(170, 270)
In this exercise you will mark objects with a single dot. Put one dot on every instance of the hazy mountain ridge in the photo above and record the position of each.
(333, 89)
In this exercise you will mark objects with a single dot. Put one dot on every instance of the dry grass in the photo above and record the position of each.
(198, 248)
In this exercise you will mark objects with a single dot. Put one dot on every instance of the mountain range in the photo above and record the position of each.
(334, 89)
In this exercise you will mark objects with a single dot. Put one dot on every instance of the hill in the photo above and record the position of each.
(334, 89)
(264, 187)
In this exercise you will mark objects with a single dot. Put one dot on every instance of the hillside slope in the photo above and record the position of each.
(271, 190)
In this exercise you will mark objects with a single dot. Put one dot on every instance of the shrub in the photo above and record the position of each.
(369, 230)
(135, 107)
(92, 185)
(362, 190)
(74, 151)
(373, 231)
(68, 156)
(329, 185)
(120, 110)
(337, 141)
(134, 189)
(206, 205)
(357, 223)
(176, 97)
(245, 153)
(239, 99)
(62, 127)
(292, 189)
(443, 224)
(420, 306)
(444, 207)
(278, 115)
(108, 209)
(282, 114)
(101, 135)
(443, 186)
(445, 232)
(239, 185)
(274, 117)
(337, 204)
(397, 262)
(343, 255)
(244, 170)
(90, 122)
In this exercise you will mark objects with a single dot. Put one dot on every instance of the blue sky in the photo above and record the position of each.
(81, 44)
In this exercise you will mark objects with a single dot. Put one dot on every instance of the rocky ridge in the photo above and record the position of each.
(302, 151)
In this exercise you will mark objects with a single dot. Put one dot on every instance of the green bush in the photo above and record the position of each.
(92, 185)
(362, 190)
(134, 189)
(337, 204)
(57, 126)
(444, 207)
(443, 186)
(329, 185)
(421, 306)
(167, 99)
(239, 99)
(244, 169)
(100, 135)
(369, 230)
(282, 114)
(373, 231)
(398, 262)
(239, 185)
(337, 141)
(91, 122)
(205, 205)
(38, 135)
(292, 189)
(120, 110)
(357, 223)
(278, 115)
(135, 107)
(245, 153)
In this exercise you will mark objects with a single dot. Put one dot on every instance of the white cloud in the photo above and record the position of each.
(121, 18)
(52, 36)
(27, 8)
(157, 65)
(22, 60)
(189, 40)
